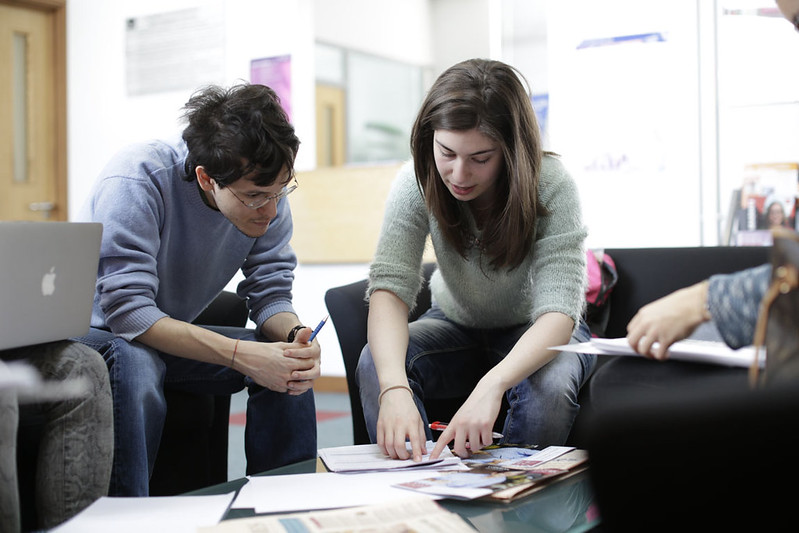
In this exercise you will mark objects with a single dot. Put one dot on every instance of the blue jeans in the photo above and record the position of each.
(445, 360)
(281, 429)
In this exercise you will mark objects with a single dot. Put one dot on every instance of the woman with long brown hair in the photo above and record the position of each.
(505, 222)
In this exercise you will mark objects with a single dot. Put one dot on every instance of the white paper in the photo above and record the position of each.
(26, 380)
(369, 458)
(693, 350)
(305, 492)
(18, 375)
(417, 514)
(175, 514)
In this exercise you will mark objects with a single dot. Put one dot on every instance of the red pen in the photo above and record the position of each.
(441, 426)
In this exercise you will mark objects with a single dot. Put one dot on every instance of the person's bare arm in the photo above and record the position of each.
(398, 417)
(668, 320)
(278, 366)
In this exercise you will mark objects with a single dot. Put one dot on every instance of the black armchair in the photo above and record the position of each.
(194, 445)
(348, 311)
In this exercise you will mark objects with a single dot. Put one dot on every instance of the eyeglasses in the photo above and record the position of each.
(258, 201)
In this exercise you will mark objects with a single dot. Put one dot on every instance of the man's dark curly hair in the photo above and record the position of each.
(233, 132)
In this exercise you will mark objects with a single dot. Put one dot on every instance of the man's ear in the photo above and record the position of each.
(203, 178)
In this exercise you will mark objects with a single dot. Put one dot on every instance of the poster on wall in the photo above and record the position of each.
(274, 72)
(767, 198)
(175, 50)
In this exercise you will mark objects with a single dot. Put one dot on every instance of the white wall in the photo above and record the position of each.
(462, 29)
(102, 118)
(394, 30)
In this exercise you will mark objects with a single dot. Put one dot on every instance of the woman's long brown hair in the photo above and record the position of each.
(489, 96)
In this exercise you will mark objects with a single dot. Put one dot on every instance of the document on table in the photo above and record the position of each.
(369, 458)
(175, 514)
(306, 492)
(502, 473)
(698, 351)
(404, 514)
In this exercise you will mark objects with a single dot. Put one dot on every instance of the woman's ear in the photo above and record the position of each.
(203, 178)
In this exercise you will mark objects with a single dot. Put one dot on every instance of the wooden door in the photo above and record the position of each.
(33, 111)
(330, 126)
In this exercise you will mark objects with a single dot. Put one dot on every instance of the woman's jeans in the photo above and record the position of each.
(281, 429)
(445, 360)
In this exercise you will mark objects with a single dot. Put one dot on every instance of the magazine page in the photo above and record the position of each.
(500, 469)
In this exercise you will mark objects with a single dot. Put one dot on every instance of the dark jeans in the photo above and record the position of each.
(445, 360)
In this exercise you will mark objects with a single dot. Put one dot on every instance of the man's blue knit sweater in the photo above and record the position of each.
(166, 253)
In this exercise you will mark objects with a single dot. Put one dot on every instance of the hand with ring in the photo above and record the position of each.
(667, 320)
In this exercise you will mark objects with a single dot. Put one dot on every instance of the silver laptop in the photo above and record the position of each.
(49, 271)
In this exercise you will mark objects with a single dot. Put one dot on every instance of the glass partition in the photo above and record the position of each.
(382, 98)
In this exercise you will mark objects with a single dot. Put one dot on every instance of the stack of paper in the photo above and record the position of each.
(176, 514)
(377, 478)
(369, 458)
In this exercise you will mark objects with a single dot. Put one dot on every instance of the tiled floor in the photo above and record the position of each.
(334, 426)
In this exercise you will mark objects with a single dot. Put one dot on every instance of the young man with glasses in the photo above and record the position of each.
(180, 219)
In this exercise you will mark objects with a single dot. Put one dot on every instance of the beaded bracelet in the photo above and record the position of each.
(380, 398)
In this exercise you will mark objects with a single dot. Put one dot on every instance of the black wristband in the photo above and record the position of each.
(293, 332)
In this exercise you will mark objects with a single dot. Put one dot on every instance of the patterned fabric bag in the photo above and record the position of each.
(777, 327)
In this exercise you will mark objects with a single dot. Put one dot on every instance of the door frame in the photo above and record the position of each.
(58, 10)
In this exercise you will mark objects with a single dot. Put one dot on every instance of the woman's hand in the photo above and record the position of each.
(472, 427)
(399, 420)
(668, 320)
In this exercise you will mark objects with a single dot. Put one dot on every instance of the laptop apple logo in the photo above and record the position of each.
(48, 282)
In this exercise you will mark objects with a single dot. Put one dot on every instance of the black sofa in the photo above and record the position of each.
(644, 275)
